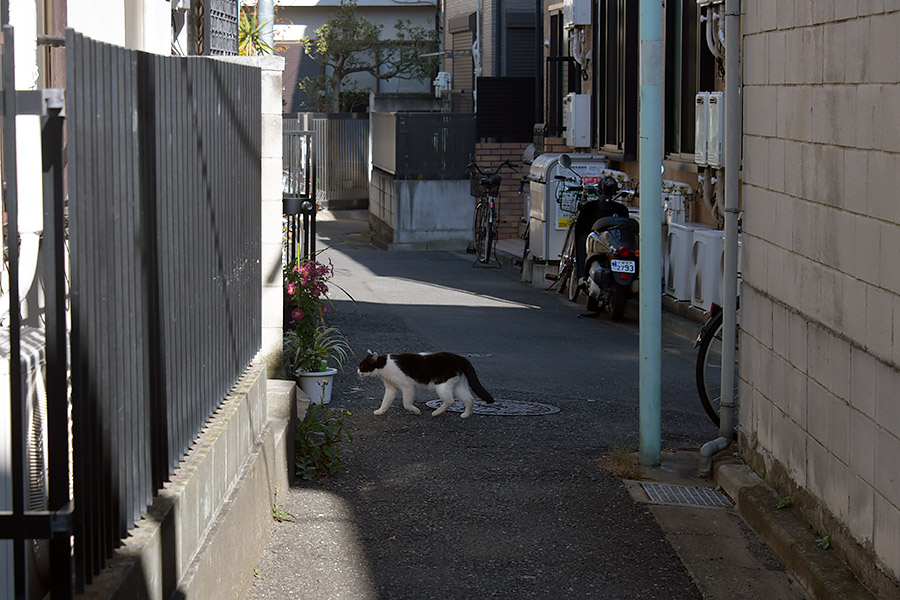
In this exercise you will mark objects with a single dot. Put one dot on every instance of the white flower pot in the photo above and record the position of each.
(317, 385)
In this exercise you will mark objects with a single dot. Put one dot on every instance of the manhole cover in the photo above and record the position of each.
(501, 407)
(679, 494)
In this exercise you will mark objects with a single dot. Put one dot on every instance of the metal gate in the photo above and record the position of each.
(298, 190)
(164, 181)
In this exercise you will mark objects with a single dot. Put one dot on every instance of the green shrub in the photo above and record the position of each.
(318, 442)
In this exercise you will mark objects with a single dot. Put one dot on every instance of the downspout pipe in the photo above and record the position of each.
(650, 150)
(733, 133)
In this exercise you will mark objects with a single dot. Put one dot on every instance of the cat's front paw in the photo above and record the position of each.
(465, 415)
(380, 411)
(413, 410)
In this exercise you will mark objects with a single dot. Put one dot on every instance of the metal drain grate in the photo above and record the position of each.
(501, 407)
(679, 494)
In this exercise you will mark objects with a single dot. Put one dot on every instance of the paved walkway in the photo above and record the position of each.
(505, 506)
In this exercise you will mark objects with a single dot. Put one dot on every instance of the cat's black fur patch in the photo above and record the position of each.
(431, 368)
(372, 362)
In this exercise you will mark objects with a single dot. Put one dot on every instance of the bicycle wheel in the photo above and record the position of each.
(709, 369)
(566, 262)
(483, 235)
(574, 284)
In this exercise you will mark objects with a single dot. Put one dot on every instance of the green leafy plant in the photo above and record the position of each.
(318, 442)
(278, 511)
(250, 41)
(824, 542)
(784, 502)
(312, 354)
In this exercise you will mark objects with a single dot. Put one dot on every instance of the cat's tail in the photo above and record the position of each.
(474, 384)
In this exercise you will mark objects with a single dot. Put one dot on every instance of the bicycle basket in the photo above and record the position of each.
(476, 186)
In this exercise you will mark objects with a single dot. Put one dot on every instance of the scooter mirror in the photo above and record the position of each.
(565, 161)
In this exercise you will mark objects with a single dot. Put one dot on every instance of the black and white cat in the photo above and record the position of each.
(445, 373)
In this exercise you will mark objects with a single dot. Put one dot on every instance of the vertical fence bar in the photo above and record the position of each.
(17, 400)
(57, 401)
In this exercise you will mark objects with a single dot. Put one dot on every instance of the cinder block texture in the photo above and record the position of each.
(208, 526)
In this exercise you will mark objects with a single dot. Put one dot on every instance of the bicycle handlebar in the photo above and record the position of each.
(473, 166)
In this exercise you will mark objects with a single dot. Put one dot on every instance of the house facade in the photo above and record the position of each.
(490, 38)
(296, 19)
(818, 411)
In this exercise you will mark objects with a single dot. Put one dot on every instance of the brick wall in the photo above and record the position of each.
(512, 205)
(820, 349)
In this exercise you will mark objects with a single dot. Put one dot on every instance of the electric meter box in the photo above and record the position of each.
(576, 12)
(715, 145)
(701, 128)
(577, 120)
(548, 220)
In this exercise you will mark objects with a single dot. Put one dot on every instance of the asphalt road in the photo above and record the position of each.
(492, 506)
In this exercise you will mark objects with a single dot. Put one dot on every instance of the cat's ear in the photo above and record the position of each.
(372, 354)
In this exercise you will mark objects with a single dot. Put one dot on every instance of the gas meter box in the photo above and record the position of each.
(550, 212)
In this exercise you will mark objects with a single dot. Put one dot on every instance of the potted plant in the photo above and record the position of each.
(309, 344)
(307, 360)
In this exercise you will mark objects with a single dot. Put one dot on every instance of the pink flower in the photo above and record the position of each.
(292, 287)
(297, 315)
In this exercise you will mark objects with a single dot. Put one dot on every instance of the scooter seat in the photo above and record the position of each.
(615, 222)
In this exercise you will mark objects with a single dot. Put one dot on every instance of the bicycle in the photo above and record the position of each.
(709, 361)
(486, 220)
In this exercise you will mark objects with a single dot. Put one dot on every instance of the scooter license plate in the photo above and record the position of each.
(622, 266)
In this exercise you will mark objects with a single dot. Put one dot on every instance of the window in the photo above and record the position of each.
(616, 78)
(520, 44)
(462, 35)
(690, 68)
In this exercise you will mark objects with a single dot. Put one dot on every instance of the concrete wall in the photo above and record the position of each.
(207, 528)
(420, 214)
(820, 350)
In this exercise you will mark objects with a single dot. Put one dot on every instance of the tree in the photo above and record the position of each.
(349, 44)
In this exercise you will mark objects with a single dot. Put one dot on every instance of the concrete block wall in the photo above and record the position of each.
(413, 214)
(820, 347)
(207, 528)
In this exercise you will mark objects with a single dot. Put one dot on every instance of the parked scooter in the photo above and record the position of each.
(606, 248)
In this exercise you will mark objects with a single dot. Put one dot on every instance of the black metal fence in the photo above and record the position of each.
(425, 145)
(298, 189)
(342, 157)
(164, 231)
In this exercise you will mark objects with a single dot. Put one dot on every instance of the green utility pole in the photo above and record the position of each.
(650, 16)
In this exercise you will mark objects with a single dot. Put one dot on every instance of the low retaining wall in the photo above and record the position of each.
(208, 527)
(420, 215)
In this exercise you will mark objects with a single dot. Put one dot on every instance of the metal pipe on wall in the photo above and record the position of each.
(733, 135)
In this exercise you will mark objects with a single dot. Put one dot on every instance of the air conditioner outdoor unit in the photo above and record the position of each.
(577, 120)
